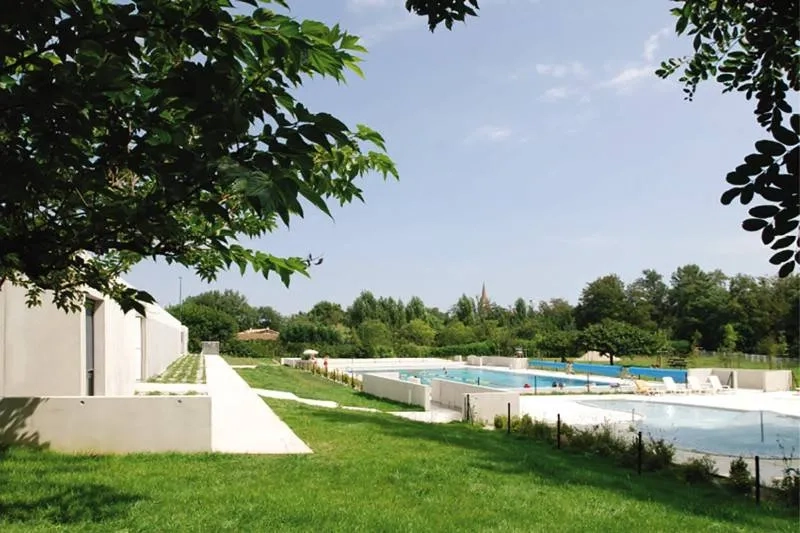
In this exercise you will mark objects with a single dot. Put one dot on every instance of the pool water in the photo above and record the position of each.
(491, 378)
(712, 430)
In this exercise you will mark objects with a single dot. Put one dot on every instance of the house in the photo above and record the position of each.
(102, 351)
(264, 334)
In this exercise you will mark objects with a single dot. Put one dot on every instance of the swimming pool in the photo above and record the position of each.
(712, 430)
(492, 378)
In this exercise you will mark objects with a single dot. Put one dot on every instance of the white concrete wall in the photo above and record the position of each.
(109, 424)
(385, 362)
(486, 405)
(165, 340)
(451, 394)
(42, 349)
(389, 386)
(763, 380)
(515, 363)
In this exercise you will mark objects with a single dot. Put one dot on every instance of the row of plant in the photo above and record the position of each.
(652, 455)
(337, 376)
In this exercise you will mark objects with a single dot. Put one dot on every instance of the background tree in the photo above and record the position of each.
(205, 324)
(416, 310)
(376, 337)
(616, 338)
(230, 302)
(327, 313)
(602, 299)
(268, 317)
(363, 308)
(418, 332)
(465, 310)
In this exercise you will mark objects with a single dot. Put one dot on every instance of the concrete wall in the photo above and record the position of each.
(383, 362)
(108, 424)
(486, 405)
(390, 387)
(451, 394)
(763, 380)
(41, 348)
(516, 363)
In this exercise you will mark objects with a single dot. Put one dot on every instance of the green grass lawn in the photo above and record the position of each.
(187, 369)
(370, 472)
(314, 387)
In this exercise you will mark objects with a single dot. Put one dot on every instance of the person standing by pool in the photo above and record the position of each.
(325, 364)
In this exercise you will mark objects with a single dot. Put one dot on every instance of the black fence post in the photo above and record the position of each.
(558, 431)
(535, 386)
(508, 425)
(640, 449)
(469, 411)
(758, 481)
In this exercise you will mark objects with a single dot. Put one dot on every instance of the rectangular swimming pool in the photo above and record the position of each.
(712, 430)
(492, 378)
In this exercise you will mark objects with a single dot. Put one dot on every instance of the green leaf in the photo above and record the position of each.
(785, 136)
(736, 178)
(754, 224)
(781, 257)
(786, 269)
(770, 148)
(764, 211)
(730, 195)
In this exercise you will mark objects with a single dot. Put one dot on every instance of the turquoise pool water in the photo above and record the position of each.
(712, 430)
(491, 378)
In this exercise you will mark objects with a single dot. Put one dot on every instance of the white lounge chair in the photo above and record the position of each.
(717, 386)
(671, 387)
(693, 385)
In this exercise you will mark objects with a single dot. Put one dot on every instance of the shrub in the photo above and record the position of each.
(788, 486)
(700, 470)
(474, 348)
(657, 454)
(239, 348)
(739, 476)
(500, 421)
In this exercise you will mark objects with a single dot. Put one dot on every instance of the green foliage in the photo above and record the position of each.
(474, 348)
(751, 47)
(375, 336)
(739, 476)
(205, 324)
(702, 470)
(729, 339)
(558, 343)
(418, 332)
(303, 331)
(251, 348)
(229, 302)
(617, 338)
(455, 333)
(788, 487)
(603, 299)
(141, 167)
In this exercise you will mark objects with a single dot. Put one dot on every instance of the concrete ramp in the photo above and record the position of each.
(240, 420)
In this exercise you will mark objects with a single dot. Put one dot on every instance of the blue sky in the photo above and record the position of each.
(537, 151)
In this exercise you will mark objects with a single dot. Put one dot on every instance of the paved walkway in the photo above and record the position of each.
(437, 414)
(240, 421)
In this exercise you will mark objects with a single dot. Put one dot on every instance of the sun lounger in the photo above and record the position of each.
(671, 387)
(694, 385)
(717, 386)
(643, 387)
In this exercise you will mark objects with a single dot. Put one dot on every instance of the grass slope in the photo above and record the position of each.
(314, 387)
(370, 472)
(189, 368)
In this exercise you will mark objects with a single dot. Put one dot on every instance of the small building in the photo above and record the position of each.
(263, 334)
(101, 351)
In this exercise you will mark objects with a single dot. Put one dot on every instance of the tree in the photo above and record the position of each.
(751, 47)
(729, 339)
(602, 299)
(230, 302)
(556, 314)
(267, 317)
(616, 338)
(164, 129)
(418, 332)
(363, 308)
(700, 302)
(204, 323)
(415, 309)
(455, 333)
(375, 336)
(558, 343)
(647, 297)
(328, 313)
(464, 310)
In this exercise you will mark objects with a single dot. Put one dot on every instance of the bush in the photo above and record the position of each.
(739, 476)
(239, 348)
(657, 454)
(473, 348)
(700, 470)
(788, 487)
(681, 347)
(500, 421)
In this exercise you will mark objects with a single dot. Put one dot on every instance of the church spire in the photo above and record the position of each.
(484, 301)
